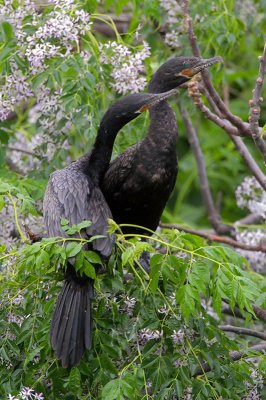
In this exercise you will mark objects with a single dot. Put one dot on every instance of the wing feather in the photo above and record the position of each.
(70, 194)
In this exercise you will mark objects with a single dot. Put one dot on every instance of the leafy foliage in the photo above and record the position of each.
(154, 333)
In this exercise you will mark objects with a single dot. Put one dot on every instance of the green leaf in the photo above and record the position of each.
(7, 31)
(112, 391)
(92, 257)
(74, 383)
(154, 277)
(64, 221)
(88, 269)
(73, 248)
(127, 256)
(84, 224)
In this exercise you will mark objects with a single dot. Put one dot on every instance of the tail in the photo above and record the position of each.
(71, 326)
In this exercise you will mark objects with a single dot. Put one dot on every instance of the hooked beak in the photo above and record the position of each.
(155, 98)
(199, 66)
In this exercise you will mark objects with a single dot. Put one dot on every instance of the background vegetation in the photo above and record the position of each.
(162, 336)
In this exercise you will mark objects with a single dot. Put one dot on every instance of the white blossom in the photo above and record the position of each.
(147, 334)
(126, 66)
(256, 259)
(129, 304)
(173, 9)
(172, 40)
(252, 196)
(15, 88)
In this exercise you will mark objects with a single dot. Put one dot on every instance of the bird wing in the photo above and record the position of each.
(71, 195)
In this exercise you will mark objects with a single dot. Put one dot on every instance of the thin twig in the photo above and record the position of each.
(234, 356)
(215, 238)
(254, 113)
(243, 331)
(213, 215)
(194, 93)
(13, 148)
(250, 219)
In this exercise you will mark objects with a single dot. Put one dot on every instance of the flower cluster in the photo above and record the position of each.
(15, 16)
(251, 195)
(147, 334)
(174, 22)
(256, 259)
(126, 66)
(248, 10)
(179, 336)
(56, 33)
(65, 24)
(128, 306)
(26, 393)
(255, 387)
(15, 89)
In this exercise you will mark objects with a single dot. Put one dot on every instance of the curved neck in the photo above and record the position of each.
(163, 126)
(100, 155)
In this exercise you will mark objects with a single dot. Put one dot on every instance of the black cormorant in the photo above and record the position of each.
(139, 182)
(73, 193)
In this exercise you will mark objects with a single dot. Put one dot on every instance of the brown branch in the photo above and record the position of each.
(250, 219)
(258, 311)
(243, 331)
(194, 93)
(215, 238)
(254, 113)
(234, 356)
(236, 313)
(213, 215)
(244, 128)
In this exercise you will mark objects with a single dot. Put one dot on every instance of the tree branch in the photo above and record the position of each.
(215, 238)
(213, 215)
(194, 93)
(243, 331)
(243, 127)
(258, 311)
(254, 113)
(234, 356)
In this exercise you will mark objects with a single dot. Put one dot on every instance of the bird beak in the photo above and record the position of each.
(199, 66)
(155, 98)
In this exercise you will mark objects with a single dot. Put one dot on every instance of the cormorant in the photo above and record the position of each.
(73, 193)
(139, 182)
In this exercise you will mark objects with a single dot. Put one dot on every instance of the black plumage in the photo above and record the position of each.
(73, 193)
(139, 182)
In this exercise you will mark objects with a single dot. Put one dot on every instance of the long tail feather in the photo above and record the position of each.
(71, 326)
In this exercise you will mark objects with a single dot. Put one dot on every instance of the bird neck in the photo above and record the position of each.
(163, 127)
(101, 152)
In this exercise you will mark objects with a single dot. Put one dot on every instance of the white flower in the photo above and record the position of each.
(256, 259)
(147, 334)
(126, 66)
(172, 40)
(252, 196)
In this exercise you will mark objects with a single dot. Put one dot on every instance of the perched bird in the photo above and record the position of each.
(73, 193)
(139, 182)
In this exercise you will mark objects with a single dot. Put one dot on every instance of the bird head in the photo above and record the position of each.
(177, 71)
(129, 107)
